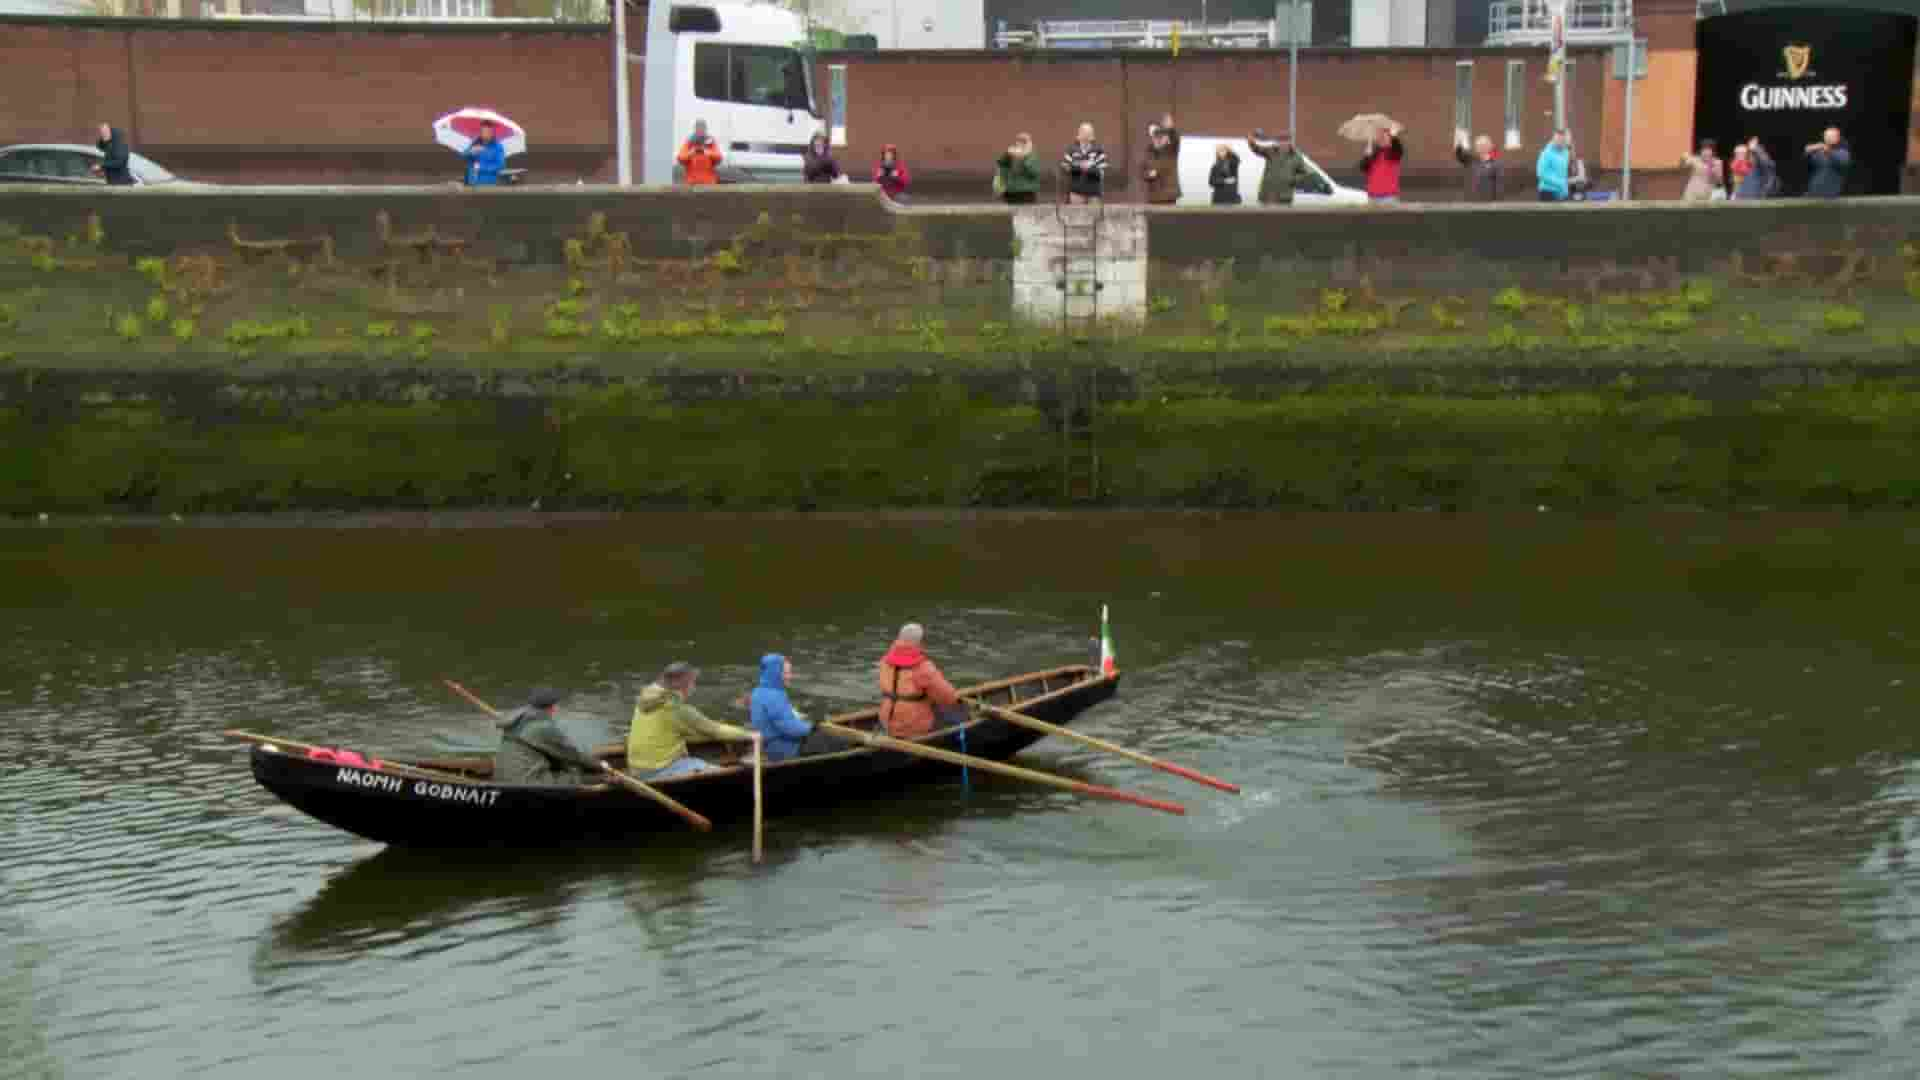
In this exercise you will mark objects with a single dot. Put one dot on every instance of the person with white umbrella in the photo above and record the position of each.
(484, 139)
(485, 157)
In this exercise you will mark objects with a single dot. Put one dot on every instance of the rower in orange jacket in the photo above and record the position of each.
(912, 690)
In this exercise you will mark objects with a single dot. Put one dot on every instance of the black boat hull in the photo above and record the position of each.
(403, 811)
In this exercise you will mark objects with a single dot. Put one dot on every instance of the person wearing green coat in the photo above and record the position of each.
(1018, 176)
(534, 749)
(1284, 168)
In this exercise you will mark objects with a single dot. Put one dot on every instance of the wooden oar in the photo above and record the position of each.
(888, 742)
(654, 793)
(759, 752)
(1025, 721)
(384, 766)
(625, 780)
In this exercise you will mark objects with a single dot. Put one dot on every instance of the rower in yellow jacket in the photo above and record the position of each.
(663, 722)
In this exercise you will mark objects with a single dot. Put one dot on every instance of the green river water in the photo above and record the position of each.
(1524, 796)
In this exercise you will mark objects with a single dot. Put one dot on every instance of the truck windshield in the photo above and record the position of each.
(769, 75)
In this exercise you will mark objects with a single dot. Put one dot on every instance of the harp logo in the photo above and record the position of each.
(1757, 98)
(1797, 57)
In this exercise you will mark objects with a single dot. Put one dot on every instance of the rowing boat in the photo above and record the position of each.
(464, 808)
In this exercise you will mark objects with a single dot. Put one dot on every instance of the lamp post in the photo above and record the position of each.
(1293, 71)
(1626, 151)
(623, 135)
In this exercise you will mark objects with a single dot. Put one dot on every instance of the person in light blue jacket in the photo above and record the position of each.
(1551, 169)
(485, 158)
(780, 725)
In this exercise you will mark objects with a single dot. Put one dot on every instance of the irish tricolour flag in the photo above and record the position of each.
(1106, 644)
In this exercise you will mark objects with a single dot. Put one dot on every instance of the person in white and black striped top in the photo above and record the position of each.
(1085, 164)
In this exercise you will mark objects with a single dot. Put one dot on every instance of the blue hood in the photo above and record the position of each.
(772, 667)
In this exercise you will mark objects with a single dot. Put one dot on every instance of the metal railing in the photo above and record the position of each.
(1530, 22)
(1144, 34)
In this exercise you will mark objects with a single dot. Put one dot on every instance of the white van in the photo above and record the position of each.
(1316, 188)
(744, 70)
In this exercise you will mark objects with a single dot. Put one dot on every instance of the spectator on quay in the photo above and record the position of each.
(1161, 167)
(1381, 165)
(1706, 174)
(891, 174)
(1224, 177)
(816, 163)
(1284, 167)
(700, 156)
(115, 165)
(1085, 164)
(1551, 170)
(1828, 162)
(1017, 177)
(485, 157)
(1482, 163)
(1761, 179)
(1578, 183)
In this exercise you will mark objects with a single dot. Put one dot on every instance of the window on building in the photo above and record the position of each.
(1516, 100)
(1463, 96)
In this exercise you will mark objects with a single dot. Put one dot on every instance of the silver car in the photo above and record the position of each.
(71, 163)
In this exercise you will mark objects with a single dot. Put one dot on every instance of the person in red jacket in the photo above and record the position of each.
(1382, 165)
(913, 691)
(891, 173)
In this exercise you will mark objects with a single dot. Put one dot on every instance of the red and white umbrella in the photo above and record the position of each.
(457, 130)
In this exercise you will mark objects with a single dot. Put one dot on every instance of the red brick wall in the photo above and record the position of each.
(313, 101)
(955, 112)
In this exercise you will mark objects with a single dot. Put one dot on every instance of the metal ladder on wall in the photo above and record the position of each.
(1079, 285)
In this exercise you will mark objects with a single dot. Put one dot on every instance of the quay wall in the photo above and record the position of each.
(239, 350)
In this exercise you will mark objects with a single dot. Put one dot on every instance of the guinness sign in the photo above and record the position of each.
(1784, 75)
(1754, 96)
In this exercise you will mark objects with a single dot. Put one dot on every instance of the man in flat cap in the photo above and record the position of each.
(664, 722)
(534, 749)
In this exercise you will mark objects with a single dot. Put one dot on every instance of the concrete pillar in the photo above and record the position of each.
(1077, 265)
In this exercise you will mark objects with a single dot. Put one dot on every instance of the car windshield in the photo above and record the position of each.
(148, 172)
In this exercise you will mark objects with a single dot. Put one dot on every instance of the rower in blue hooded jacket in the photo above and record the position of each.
(780, 725)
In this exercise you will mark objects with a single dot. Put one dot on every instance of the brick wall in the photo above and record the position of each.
(314, 102)
(953, 112)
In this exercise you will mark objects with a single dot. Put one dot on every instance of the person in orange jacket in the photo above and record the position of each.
(912, 688)
(700, 156)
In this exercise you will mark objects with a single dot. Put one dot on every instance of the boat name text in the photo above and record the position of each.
(424, 788)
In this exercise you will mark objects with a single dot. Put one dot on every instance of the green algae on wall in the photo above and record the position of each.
(1339, 447)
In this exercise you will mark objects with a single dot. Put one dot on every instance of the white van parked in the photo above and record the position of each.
(1315, 188)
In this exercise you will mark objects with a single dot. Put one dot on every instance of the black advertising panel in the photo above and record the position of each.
(1787, 74)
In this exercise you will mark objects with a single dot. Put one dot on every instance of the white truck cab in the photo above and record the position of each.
(746, 70)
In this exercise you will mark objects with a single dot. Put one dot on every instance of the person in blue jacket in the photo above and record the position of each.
(781, 727)
(486, 157)
(1551, 169)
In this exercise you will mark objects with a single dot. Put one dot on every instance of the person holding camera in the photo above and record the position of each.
(1016, 177)
(816, 162)
(1085, 164)
(1161, 166)
(701, 157)
(891, 174)
(1828, 162)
